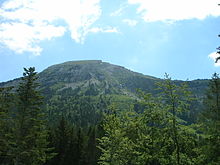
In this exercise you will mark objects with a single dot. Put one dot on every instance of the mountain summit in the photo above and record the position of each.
(95, 77)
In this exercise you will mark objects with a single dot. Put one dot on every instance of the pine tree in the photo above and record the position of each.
(152, 124)
(6, 102)
(91, 149)
(211, 121)
(61, 140)
(30, 134)
(80, 148)
(176, 101)
(116, 147)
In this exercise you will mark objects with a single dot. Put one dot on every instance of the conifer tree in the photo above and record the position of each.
(6, 102)
(61, 140)
(63, 137)
(91, 146)
(115, 145)
(80, 148)
(30, 134)
(211, 122)
(152, 143)
(176, 101)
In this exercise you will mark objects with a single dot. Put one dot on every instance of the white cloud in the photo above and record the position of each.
(213, 56)
(104, 30)
(21, 37)
(161, 10)
(130, 22)
(23, 24)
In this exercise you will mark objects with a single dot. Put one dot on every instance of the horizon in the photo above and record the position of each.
(149, 37)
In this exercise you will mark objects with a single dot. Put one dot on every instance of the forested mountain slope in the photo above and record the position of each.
(87, 82)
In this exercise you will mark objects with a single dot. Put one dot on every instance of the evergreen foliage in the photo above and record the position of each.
(73, 145)
(6, 104)
(210, 119)
(177, 101)
(29, 132)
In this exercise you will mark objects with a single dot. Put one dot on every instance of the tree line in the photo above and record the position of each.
(153, 131)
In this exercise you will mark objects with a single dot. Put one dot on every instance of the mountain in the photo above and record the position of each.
(92, 77)
(89, 81)
(95, 76)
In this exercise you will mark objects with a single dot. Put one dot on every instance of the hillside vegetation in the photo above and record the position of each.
(93, 112)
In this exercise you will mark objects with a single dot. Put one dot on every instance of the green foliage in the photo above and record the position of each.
(6, 104)
(73, 145)
(115, 146)
(29, 132)
(176, 102)
(154, 135)
(210, 120)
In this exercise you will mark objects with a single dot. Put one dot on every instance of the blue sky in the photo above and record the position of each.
(147, 36)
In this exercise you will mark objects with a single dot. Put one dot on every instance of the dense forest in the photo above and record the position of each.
(100, 122)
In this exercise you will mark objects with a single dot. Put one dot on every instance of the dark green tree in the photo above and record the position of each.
(210, 118)
(6, 104)
(30, 134)
(61, 140)
(91, 146)
(80, 148)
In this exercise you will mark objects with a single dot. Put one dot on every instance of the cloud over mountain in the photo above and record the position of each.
(23, 24)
